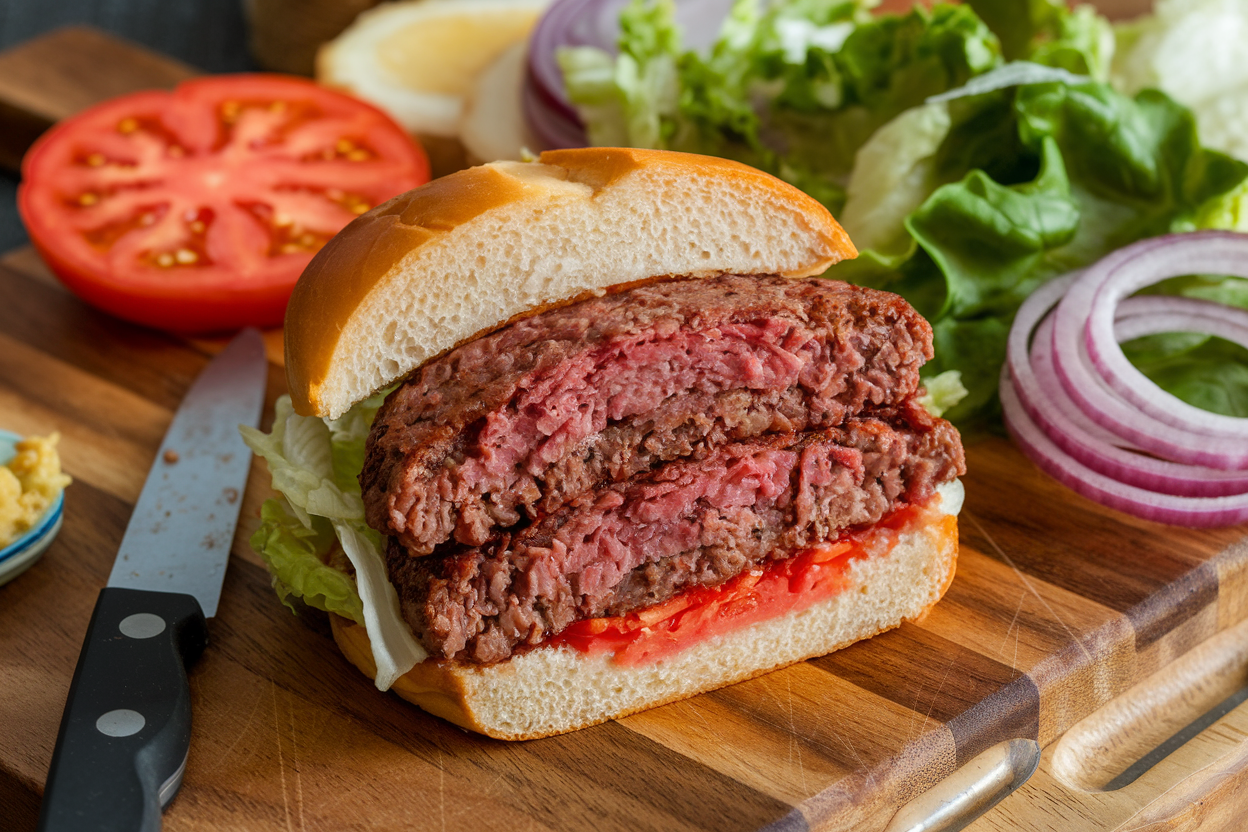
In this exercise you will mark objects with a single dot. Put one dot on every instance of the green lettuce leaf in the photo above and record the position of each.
(1060, 175)
(589, 75)
(1017, 23)
(347, 437)
(976, 347)
(1229, 212)
(1145, 152)
(300, 459)
(297, 556)
(894, 174)
(942, 392)
(1047, 32)
(993, 243)
(1083, 43)
(645, 71)
(1203, 371)
(794, 88)
(313, 464)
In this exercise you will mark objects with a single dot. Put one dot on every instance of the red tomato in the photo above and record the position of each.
(196, 210)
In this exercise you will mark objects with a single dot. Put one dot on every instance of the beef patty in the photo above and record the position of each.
(603, 456)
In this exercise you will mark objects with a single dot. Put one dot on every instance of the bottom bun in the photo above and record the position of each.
(551, 690)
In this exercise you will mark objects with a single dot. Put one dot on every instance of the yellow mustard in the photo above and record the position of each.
(29, 484)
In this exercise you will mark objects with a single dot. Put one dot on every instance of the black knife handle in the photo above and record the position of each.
(122, 746)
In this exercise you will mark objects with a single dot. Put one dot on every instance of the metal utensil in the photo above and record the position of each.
(122, 747)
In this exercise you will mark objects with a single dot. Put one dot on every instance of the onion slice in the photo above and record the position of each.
(1042, 396)
(1077, 413)
(1150, 505)
(1155, 314)
(1114, 393)
(553, 127)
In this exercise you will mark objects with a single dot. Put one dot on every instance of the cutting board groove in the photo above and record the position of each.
(1058, 605)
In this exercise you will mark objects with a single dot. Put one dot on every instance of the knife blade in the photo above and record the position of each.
(125, 732)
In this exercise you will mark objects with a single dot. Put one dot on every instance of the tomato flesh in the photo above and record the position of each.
(197, 209)
(695, 615)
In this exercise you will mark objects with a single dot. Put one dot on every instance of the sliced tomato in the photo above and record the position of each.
(196, 210)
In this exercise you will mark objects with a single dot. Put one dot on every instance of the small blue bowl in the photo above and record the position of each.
(19, 555)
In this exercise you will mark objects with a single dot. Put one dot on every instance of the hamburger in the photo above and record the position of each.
(629, 447)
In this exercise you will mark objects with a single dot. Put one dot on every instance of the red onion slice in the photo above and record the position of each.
(1155, 314)
(1199, 253)
(1150, 505)
(1125, 401)
(1040, 393)
(552, 127)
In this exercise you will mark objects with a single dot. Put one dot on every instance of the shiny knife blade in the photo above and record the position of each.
(122, 746)
(180, 532)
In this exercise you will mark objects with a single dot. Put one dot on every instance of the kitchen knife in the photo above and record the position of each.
(126, 730)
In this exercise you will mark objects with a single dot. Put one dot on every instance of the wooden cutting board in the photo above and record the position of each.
(1058, 606)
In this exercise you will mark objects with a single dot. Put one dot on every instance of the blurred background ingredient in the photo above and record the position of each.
(284, 35)
(1193, 50)
(30, 481)
(420, 61)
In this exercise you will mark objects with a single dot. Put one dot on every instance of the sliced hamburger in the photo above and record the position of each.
(635, 450)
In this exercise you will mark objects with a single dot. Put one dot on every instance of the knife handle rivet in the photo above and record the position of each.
(142, 625)
(120, 723)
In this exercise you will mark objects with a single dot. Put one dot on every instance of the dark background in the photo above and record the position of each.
(207, 34)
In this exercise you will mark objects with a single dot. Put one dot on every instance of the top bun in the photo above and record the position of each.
(467, 253)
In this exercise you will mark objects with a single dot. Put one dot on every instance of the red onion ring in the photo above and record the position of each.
(1091, 365)
(1041, 394)
(1164, 508)
(1064, 433)
(552, 127)
(1155, 314)
(1210, 252)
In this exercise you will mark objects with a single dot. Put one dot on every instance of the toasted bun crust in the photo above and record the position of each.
(468, 252)
(553, 690)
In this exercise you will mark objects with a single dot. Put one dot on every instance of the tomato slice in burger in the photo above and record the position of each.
(197, 209)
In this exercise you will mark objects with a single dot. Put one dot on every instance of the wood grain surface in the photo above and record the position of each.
(1058, 606)
(1202, 786)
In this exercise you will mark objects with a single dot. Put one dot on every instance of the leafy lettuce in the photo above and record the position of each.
(314, 463)
(1071, 172)
(794, 88)
(1047, 32)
